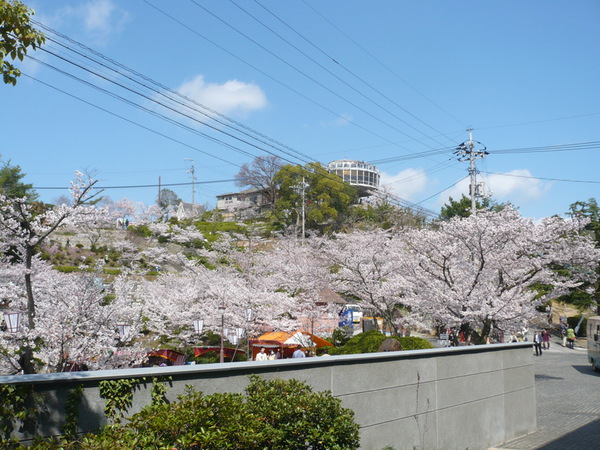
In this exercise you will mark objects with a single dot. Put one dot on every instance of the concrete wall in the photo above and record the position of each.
(462, 397)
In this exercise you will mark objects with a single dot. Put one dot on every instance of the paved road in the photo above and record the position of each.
(567, 401)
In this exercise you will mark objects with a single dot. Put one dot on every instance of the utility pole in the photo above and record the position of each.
(302, 189)
(193, 172)
(158, 199)
(465, 151)
(472, 173)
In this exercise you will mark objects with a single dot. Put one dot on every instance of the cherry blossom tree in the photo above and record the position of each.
(22, 232)
(174, 300)
(73, 323)
(370, 266)
(297, 268)
(479, 273)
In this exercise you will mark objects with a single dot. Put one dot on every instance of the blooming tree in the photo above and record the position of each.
(369, 266)
(22, 232)
(297, 268)
(479, 273)
(73, 322)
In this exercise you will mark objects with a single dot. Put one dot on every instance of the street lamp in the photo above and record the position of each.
(123, 330)
(221, 310)
(198, 326)
(13, 321)
(249, 313)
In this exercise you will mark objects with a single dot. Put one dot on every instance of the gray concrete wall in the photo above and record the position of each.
(462, 397)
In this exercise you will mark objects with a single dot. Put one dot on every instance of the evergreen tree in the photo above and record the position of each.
(11, 185)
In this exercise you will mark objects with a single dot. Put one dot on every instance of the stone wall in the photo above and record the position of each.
(462, 397)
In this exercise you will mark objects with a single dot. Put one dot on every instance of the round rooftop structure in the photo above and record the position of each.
(360, 174)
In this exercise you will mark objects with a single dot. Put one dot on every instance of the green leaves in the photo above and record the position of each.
(16, 36)
(274, 414)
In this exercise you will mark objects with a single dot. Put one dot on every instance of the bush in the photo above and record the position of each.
(140, 230)
(275, 414)
(370, 341)
(414, 343)
(67, 269)
(111, 271)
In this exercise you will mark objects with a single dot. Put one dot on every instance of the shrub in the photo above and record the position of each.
(67, 269)
(275, 414)
(142, 230)
(111, 271)
(414, 343)
(370, 341)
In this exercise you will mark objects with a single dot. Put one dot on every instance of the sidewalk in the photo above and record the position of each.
(567, 402)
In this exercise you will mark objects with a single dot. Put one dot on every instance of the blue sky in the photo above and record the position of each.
(390, 82)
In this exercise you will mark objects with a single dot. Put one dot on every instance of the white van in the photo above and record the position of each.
(593, 341)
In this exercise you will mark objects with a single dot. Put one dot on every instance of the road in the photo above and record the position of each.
(567, 402)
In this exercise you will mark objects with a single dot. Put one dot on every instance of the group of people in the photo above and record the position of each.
(541, 341)
(262, 355)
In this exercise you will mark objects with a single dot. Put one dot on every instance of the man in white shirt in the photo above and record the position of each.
(298, 353)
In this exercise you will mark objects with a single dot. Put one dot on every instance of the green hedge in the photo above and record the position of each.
(370, 341)
(274, 414)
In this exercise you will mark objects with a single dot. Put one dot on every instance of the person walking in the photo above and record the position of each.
(546, 339)
(563, 333)
(298, 353)
(537, 343)
(570, 338)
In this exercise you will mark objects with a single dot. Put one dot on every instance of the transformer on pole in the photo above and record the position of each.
(466, 151)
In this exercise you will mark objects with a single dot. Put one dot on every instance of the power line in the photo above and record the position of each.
(138, 186)
(296, 69)
(164, 91)
(125, 118)
(154, 100)
(533, 122)
(338, 64)
(277, 80)
(578, 146)
(381, 63)
(543, 178)
(445, 189)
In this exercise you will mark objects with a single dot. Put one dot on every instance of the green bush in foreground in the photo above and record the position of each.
(275, 414)
(370, 341)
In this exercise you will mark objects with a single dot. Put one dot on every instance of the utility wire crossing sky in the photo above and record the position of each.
(132, 91)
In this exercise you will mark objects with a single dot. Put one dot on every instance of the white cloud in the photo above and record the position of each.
(518, 186)
(98, 19)
(229, 97)
(406, 184)
(97, 16)
(519, 182)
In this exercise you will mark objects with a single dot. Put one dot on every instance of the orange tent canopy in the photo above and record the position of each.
(301, 338)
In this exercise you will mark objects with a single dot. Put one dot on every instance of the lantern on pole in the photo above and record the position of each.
(12, 321)
(198, 326)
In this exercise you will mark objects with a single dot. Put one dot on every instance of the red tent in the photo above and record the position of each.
(175, 358)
